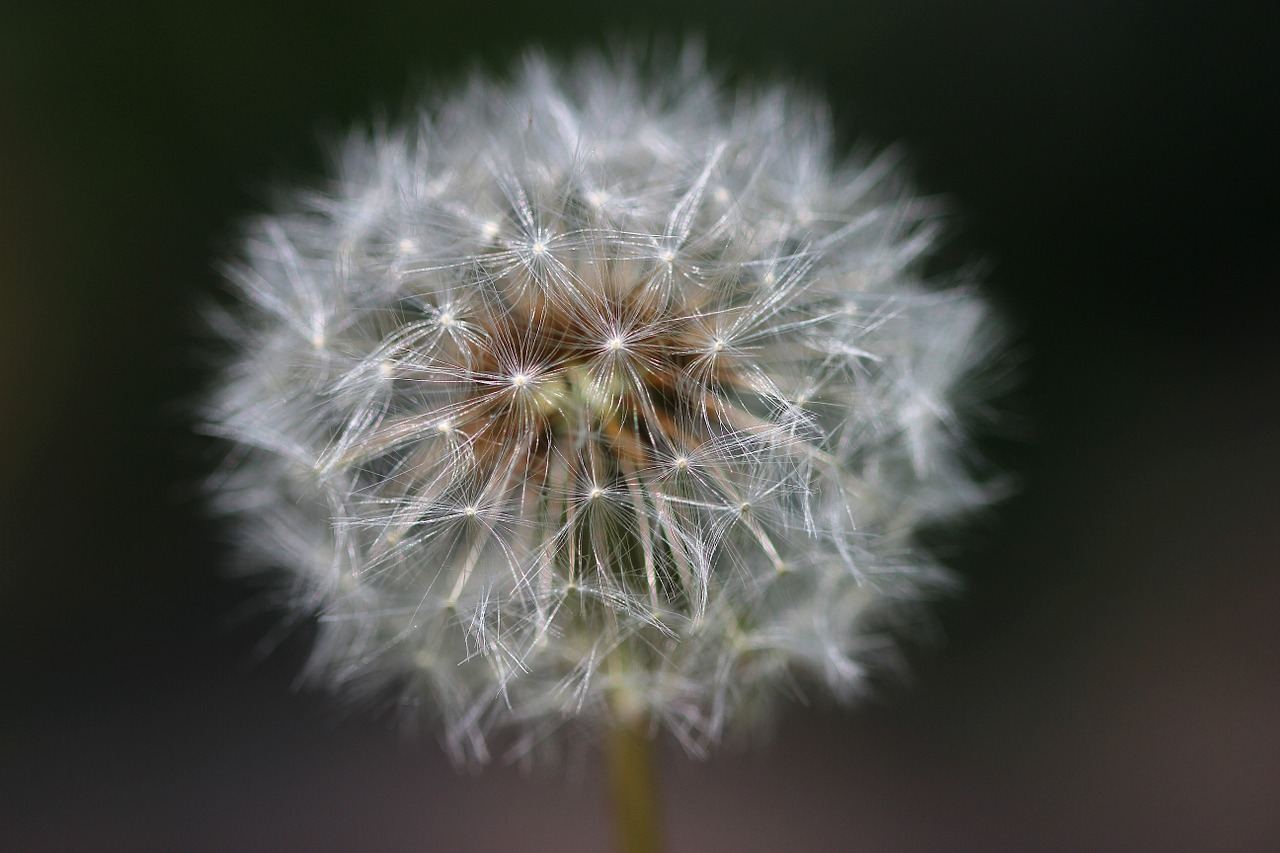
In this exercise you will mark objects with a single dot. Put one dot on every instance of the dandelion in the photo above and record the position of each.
(601, 398)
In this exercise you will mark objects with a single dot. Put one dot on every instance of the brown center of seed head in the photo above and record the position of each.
(605, 368)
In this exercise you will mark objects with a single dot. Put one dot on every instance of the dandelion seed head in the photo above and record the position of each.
(640, 454)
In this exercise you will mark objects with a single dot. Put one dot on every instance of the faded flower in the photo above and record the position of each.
(600, 393)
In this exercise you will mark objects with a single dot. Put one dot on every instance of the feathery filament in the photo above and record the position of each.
(600, 390)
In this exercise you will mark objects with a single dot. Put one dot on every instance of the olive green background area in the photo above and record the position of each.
(1110, 679)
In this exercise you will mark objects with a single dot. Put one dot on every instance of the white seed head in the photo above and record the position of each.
(599, 490)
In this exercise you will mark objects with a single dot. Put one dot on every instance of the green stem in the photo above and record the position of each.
(633, 782)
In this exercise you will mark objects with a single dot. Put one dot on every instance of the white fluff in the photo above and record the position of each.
(600, 392)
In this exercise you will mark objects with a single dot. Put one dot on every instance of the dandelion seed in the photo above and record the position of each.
(571, 506)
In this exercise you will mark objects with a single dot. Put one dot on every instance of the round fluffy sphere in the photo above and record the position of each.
(598, 394)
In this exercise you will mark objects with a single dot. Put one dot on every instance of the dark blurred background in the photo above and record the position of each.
(1109, 681)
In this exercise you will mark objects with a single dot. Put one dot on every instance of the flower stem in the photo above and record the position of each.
(633, 783)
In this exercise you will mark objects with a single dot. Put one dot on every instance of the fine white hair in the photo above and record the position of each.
(601, 391)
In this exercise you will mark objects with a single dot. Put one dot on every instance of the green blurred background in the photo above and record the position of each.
(1109, 681)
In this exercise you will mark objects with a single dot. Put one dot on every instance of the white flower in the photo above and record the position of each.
(600, 393)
